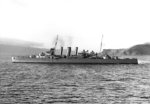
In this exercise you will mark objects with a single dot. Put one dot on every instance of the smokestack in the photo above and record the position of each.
(69, 51)
(61, 51)
(76, 51)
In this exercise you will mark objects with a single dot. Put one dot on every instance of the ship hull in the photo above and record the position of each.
(73, 61)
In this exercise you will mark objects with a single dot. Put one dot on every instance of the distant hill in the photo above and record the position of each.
(13, 47)
(19, 50)
(141, 49)
(17, 42)
(13, 50)
(10, 47)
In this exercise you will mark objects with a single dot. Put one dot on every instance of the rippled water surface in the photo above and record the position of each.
(81, 84)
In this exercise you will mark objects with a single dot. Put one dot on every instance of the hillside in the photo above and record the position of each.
(18, 50)
(13, 47)
(141, 49)
(17, 42)
(10, 47)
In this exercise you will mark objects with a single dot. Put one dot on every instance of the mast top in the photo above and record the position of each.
(56, 42)
(101, 43)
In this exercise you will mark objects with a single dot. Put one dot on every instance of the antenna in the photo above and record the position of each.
(56, 42)
(101, 43)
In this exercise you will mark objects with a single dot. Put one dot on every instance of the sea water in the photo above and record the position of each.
(81, 84)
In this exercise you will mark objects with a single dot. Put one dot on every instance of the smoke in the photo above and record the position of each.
(70, 40)
(63, 41)
(60, 41)
(17, 42)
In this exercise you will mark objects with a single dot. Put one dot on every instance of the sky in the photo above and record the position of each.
(81, 23)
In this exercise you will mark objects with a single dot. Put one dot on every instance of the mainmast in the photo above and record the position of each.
(101, 43)
(56, 42)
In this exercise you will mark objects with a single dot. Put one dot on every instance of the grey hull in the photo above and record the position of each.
(73, 61)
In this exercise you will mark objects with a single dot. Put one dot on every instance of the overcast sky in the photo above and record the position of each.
(79, 22)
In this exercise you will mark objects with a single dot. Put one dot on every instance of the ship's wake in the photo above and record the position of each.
(144, 61)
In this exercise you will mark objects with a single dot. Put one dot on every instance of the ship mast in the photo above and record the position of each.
(101, 44)
(56, 42)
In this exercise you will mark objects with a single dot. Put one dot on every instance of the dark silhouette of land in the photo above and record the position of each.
(140, 49)
(19, 50)
(15, 48)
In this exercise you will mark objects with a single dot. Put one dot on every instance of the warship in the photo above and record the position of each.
(84, 57)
